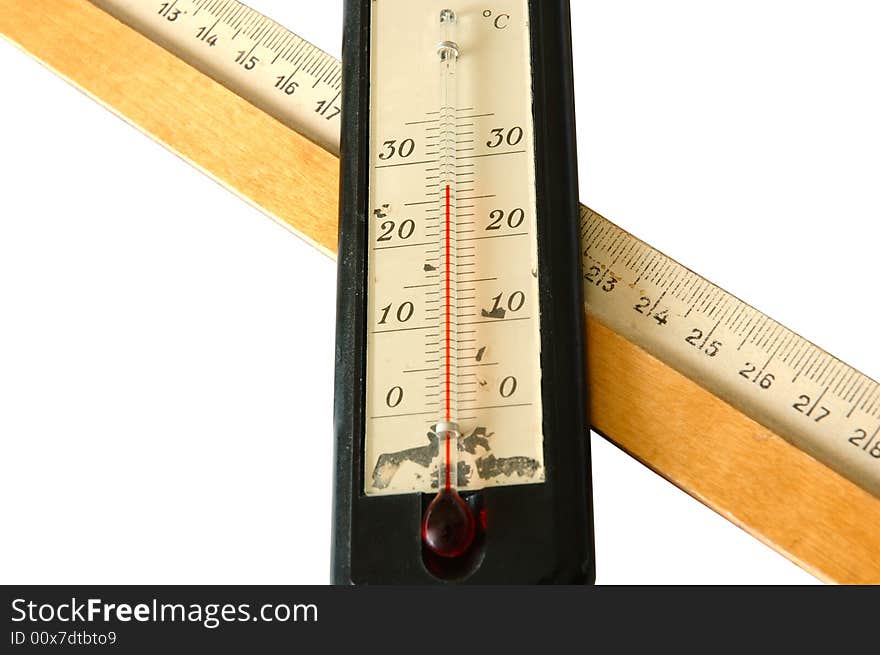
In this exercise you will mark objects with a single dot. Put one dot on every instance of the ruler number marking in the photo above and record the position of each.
(168, 12)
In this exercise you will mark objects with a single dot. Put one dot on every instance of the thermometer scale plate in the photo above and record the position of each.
(460, 362)
(453, 310)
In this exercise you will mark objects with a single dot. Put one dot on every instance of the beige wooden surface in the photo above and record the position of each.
(740, 469)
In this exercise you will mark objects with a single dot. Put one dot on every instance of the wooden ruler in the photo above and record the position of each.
(759, 424)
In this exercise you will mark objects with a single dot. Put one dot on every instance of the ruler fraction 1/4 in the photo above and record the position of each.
(822, 405)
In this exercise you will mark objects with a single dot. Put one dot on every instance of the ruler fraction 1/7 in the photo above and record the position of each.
(822, 405)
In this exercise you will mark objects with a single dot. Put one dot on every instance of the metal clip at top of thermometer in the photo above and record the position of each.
(822, 405)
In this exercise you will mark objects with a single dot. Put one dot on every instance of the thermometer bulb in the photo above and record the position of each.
(448, 527)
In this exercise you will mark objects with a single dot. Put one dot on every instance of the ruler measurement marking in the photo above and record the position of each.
(814, 361)
(858, 381)
(871, 410)
(856, 404)
(810, 356)
(864, 385)
(846, 377)
(837, 377)
(805, 352)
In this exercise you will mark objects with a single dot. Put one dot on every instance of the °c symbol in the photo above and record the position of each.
(501, 20)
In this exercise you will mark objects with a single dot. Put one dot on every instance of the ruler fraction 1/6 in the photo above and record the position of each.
(819, 403)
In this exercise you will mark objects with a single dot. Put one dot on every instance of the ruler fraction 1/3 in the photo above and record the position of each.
(821, 404)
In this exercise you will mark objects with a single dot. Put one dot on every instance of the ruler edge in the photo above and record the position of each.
(847, 487)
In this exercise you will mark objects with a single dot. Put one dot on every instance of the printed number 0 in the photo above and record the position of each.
(394, 396)
(508, 386)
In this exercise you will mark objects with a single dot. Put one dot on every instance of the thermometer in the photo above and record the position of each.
(462, 435)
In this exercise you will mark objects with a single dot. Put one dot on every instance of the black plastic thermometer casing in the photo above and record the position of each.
(530, 533)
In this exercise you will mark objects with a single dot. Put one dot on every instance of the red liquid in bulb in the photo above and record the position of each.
(448, 527)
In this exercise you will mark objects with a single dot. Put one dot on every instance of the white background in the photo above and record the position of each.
(166, 352)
